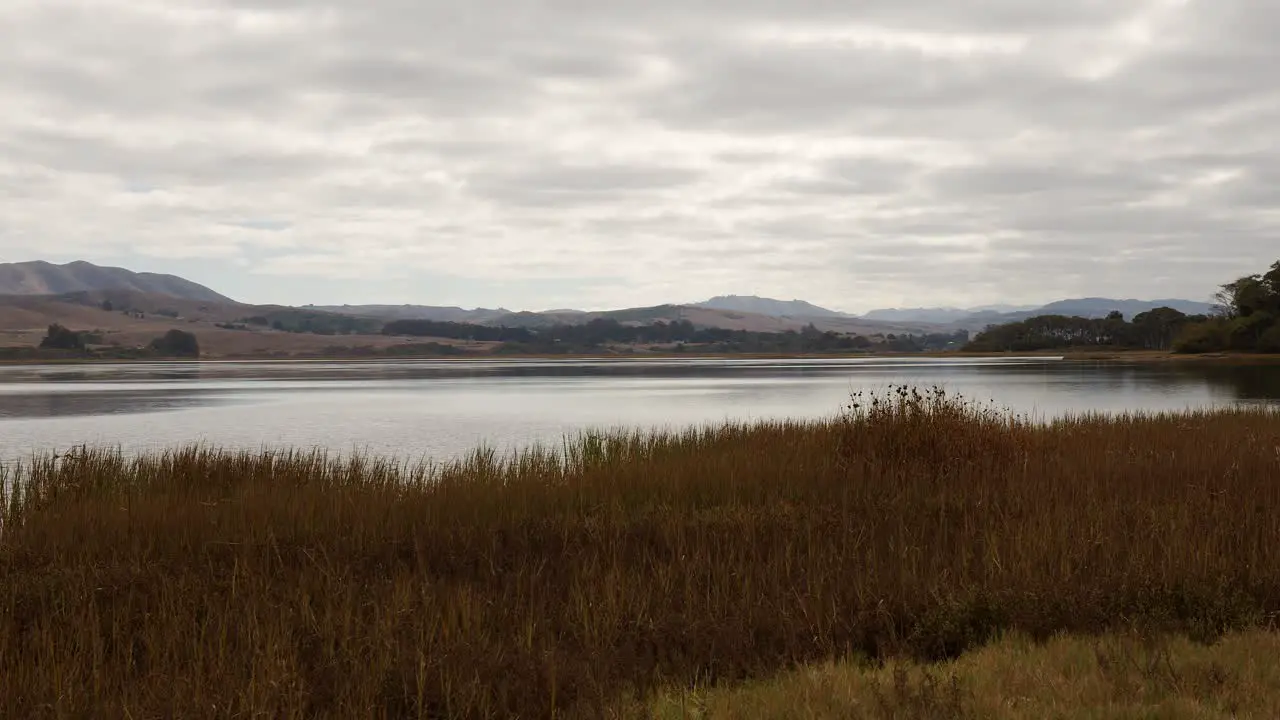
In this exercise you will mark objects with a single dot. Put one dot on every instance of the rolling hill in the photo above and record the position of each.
(128, 306)
(43, 278)
(126, 319)
(438, 313)
(767, 306)
(930, 315)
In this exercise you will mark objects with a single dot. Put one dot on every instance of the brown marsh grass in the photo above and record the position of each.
(1119, 676)
(209, 583)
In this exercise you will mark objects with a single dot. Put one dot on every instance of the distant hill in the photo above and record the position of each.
(127, 319)
(1099, 307)
(437, 313)
(767, 314)
(33, 294)
(703, 317)
(43, 278)
(1001, 308)
(767, 306)
(929, 315)
(941, 315)
(980, 317)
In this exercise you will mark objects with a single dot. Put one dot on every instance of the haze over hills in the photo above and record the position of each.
(439, 313)
(1099, 307)
(34, 294)
(766, 307)
(972, 317)
(698, 314)
(940, 315)
(43, 278)
(979, 317)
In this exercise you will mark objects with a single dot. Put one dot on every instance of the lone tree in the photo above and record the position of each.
(176, 343)
(61, 338)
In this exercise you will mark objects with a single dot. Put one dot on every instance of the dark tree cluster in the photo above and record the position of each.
(1156, 329)
(457, 331)
(676, 336)
(1247, 318)
(176, 343)
(925, 343)
(60, 341)
(61, 338)
(314, 322)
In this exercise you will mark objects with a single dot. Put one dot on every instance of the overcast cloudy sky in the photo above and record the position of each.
(550, 153)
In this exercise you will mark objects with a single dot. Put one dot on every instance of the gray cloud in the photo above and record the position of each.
(886, 152)
(573, 185)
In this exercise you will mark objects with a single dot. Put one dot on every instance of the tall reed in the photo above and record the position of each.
(207, 583)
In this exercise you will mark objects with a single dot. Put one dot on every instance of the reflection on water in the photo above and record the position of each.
(444, 408)
(63, 404)
(1254, 382)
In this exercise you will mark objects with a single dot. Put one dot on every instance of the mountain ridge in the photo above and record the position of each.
(767, 306)
(44, 278)
(39, 277)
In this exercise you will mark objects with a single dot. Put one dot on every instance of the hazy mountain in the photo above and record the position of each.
(767, 306)
(1001, 308)
(929, 315)
(1100, 307)
(82, 283)
(436, 313)
(42, 278)
(941, 315)
(980, 317)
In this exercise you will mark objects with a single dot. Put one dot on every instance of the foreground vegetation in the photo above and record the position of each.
(1122, 675)
(203, 583)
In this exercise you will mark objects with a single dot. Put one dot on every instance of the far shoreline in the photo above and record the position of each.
(1100, 356)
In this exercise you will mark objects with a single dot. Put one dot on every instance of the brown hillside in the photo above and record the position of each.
(731, 320)
(24, 320)
(43, 278)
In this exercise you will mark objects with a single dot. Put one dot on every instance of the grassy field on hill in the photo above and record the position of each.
(582, 581)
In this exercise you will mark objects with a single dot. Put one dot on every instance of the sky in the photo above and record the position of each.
(567, 153)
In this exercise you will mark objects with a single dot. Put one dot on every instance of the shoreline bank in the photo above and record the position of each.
(1134, 356)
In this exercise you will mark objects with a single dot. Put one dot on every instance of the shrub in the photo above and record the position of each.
(176, 343)
(61, 338)
(1270, 340)
(1206, 337)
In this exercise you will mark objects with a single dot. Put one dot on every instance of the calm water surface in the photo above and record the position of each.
(443, 409)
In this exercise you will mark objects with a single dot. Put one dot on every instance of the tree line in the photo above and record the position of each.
(1246, 318)
(173, 344)
(1157, 329)
(676, 335)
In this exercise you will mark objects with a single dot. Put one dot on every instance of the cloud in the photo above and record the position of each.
(556, 153)
(558, 185)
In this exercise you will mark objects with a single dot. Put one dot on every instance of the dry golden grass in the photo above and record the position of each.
(202, 583)
(1129, 675)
